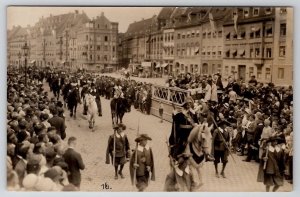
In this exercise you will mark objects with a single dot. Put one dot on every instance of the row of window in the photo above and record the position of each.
(99, 38)
(253, 53)
(188, 34)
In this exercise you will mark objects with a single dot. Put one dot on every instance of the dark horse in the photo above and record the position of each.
(118, 106)
(73, 99)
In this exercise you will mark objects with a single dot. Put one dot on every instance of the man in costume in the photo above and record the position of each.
(118, 149)
(142, 163)
(220, 142)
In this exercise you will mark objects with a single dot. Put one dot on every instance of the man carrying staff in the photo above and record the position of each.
(118, 149)
(220, 144)
(142, 164)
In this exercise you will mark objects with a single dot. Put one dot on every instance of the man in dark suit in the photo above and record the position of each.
(74, 161)
(58, 123)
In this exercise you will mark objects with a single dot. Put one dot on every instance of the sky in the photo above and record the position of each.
(24, 16)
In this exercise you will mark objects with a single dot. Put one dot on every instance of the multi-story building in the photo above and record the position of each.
(282, 68)
(97, 42)
(255, 40)
(168, 41)
(17, 37)
(187, 39)
(136, 47)
(212, 40)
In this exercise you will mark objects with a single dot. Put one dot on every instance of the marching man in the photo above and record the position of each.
(142, 164)
(118, 149)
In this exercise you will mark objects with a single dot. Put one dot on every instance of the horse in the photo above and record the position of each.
(73, 99)
(118, 108)
(199, 144)
(92, 109)
(185, 173)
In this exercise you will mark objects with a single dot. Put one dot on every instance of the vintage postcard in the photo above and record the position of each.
(153, 99)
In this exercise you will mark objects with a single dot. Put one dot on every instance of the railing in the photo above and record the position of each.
(170, 95)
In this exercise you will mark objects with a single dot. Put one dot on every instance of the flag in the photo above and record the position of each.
(212, 23)
(235, 17)
(189, 17)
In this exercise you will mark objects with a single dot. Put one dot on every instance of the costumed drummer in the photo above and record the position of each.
(143, 163)
(118, 149)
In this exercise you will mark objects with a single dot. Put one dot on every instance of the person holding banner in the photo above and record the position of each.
(142, 163)
(118, 149)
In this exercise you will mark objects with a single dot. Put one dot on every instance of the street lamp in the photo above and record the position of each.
(19, 56)
(25, 49)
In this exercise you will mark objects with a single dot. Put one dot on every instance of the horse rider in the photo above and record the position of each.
(183, 123)
(95, 92)
(118, 93)
(84, 91)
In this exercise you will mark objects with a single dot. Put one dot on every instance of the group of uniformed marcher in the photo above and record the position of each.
(213, 123)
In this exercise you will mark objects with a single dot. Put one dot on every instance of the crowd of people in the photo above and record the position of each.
(39, 157)
(247, 118)
(253, 119)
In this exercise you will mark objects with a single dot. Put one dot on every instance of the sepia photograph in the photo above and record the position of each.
(149, 99)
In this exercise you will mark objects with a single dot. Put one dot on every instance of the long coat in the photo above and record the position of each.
(181, 128)
(273, 173)
(144, 158)
(75, 164)
(122, 147)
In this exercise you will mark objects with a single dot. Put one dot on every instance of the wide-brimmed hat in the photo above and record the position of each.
(120, 125)
(142, 137)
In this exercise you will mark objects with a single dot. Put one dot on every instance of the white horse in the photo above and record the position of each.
(92, 109)
(199, 144)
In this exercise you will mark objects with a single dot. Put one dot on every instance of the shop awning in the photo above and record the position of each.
(32, 62)
(157, 65)
(241, 51)
(164, 65)
(146, 64)
(254, 29)
(233, 51)
(197, 50)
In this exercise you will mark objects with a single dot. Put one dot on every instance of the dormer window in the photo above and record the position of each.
(246, 12)
(255, 11)
(268, 10)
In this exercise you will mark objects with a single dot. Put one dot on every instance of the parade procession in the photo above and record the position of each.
(99, 119)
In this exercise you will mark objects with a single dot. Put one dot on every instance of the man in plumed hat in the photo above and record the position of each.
(142, 163)
(118, 149)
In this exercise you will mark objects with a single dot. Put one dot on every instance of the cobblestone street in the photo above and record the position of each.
(241, 176)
